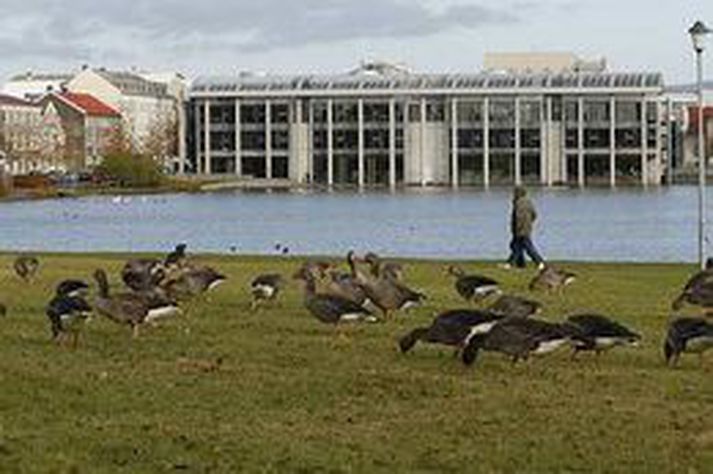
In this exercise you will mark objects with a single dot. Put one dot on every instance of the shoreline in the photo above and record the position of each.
(301, 257)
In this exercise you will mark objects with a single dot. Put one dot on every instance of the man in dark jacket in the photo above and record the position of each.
(522, 221)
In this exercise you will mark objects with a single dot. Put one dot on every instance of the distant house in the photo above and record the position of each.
(145, 105)
(151, 105)
(20, 144)
(690, 141)
(90, 126)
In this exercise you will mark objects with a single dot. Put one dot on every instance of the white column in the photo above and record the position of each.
(297, 145)
(422, 143)
(549, 157)
(669, 142)
(544, 139)
(238, 140)
(455, 172)
(268, 139)
(659, 140)
(330, 142)
(197, 135)
(206, 138)
(360, 139)
(182, 126)
(580, 142)
(612, 141)
(310, 141)
(518, 144)
(644, 144)
(564, 165)
(392, 143)
(486, 142)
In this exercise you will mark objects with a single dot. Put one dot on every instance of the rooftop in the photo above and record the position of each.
(14, 101)
(89, 104)
(364, 80)
(130, 83)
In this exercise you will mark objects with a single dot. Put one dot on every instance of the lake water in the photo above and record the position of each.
(657, 224)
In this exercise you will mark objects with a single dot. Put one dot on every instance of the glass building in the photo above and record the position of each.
(376, 127)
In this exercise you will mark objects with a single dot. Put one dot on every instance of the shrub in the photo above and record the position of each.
(129, 170)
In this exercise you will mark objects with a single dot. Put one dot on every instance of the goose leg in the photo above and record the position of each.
(573, 356)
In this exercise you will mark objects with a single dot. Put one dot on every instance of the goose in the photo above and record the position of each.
(511, 306)
(594, 332)
(318, 269)
(177, 257)
(698, 290)
(123, 308)
(692, 335)
(143, 273)
(72, 288)
(346, 285)
(26, 266)
(67, 315)
(330, 309)
(160, 304)
(193, 282)
(473, 288)
(517, 338)
(266, 287)
(386, 293)
(551, 278)
(451, 328)
(393, 270)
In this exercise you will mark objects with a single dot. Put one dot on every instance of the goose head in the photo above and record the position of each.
(454, 270)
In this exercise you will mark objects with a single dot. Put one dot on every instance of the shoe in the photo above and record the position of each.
(505, 266)
(541, 266)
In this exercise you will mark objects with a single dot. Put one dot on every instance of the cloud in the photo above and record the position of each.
(91, 29)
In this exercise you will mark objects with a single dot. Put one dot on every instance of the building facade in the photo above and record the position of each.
(387, 127)
(20, 143)
(147, 107)
(85, 128)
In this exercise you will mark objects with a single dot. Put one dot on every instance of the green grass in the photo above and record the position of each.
(291, 397)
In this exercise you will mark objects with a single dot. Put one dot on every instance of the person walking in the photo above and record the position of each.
(522, 221)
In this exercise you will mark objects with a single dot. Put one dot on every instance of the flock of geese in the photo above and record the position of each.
(371, 290)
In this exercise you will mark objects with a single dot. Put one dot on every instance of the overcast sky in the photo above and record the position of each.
(224, 36)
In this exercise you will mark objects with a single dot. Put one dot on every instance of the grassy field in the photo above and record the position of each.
(292, 397)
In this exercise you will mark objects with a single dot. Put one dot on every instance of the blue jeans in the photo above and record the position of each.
(519, 246)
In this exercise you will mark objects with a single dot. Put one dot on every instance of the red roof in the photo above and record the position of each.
(89, 104)
(14, 101)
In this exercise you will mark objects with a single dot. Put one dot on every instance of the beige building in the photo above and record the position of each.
(20, 140)
(146, 106)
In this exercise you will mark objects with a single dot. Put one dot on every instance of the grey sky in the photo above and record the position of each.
(222, 36)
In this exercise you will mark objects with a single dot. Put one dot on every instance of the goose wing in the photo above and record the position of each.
(595, 325)
(514, 307)
(687, 328)
(332, 309)
(271, 279)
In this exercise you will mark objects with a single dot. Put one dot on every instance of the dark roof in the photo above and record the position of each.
(14, 101)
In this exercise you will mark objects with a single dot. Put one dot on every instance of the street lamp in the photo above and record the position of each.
(698, 32)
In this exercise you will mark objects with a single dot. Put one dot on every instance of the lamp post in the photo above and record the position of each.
(698, 32)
